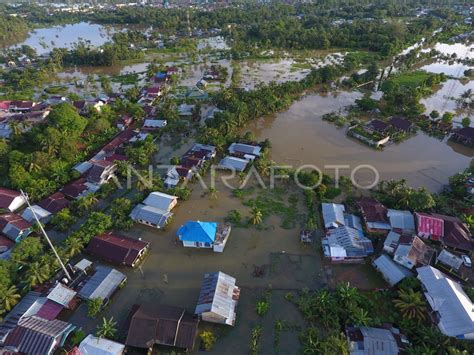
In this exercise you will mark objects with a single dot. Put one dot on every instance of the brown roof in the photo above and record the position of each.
(116, 248)
(162, 325)
(75, 188)
(378, 125)
(54, 203)
(7, 196)
(14, 219)
(456, 233)
(372, 210)
(400, 123)
(466, 132)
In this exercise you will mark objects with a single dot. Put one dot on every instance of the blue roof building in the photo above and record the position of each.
(196, 234)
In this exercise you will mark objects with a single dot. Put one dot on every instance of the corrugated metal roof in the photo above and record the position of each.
(352, 240)
(233, 163)
(446, 296)
(62, 295)
(160, 200)
(102, 284)
(403, 220)
(449, 259)
(333, 215)
(151, 215)
(92, 345)
(218, 295)
(392, 272)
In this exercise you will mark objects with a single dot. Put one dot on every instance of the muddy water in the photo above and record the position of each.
(172, 274)
(444, 99)
(299, 136)
(45, 39)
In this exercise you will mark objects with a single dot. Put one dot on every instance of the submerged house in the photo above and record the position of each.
(103, 283)
(451, 309)
(155, 211)
(346, 244)
(161, 325)
(218, 298)
(118, 249)
(212, 235)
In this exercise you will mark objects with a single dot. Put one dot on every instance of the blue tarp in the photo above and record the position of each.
(202, 232)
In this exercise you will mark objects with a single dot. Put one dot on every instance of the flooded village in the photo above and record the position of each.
(197, 179)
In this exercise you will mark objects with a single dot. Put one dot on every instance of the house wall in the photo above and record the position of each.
(404, 261)
(213, 318)
(16, 203)
(196, 245)
(147, 223)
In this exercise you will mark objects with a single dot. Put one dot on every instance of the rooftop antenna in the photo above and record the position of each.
(25, 196)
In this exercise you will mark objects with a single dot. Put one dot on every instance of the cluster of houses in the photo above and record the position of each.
(433, 247)
(34, 325)
(240, 156)
(21, 116)
(377, 132)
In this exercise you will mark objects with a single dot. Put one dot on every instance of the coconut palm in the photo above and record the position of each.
(212, 192)
(37, 273)
(256, 216)
(411, 304)
(347, 294)
(15, 127)
(74, 247)
(469, 220)
(9, 297)
(107, 329)
(360, 317)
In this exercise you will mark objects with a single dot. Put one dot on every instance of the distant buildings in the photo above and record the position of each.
(211, 235)
(218, 299)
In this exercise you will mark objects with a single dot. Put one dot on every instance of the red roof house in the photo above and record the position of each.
(429, 226)
(75, 189)
(54, 203)
(374, 214)
(118, 249)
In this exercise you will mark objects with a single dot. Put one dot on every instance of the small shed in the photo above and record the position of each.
(391, 271)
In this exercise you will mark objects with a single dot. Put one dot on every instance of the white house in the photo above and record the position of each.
(245, 149)
(218, 299)
(10, 199)
(451, 307)
(161, 200)
(150, 216)
(92, 345)
(233, 163)
(212, 235)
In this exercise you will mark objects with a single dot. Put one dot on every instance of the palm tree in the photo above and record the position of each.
(107, 329)
(360, 317)
(212, 192)
(74, 247)
(37, 274)
(9, 297)
(256, 216)
(15, 127)
(347, 294)
(469, 220)
(411, 304)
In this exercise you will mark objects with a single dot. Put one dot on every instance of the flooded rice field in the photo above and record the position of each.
(299, 136)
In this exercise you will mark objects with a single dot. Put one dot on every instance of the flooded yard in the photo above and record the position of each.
(172, 274)
(299, 136)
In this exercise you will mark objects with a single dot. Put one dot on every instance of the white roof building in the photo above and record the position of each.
(92, 345)
(218, 298)
(150, 216)
(391, 271)
(152, 124)
(333, 215)
(233, 163)
(241, 148)
(62, 295)
(452, 307)
(449, 259)
(161, 200)
(391, 242)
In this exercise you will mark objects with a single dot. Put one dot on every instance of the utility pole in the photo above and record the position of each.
(25, 196)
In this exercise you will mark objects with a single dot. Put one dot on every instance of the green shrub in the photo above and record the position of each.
(208, 339)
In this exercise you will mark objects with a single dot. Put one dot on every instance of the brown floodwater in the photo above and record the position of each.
(299, 136)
